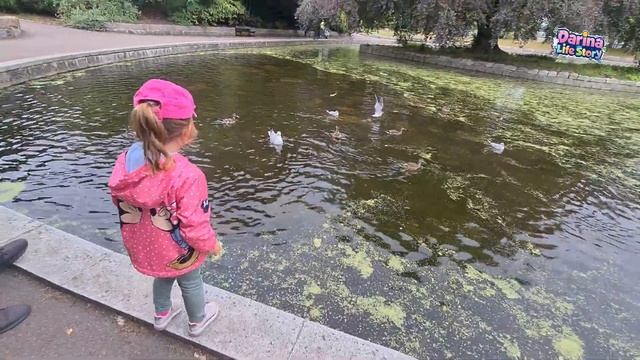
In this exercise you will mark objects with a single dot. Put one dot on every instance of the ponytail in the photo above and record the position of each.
(153, 135)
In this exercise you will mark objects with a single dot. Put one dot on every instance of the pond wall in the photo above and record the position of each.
(562, 77)
(19, 71)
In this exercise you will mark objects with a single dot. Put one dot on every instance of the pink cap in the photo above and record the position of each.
(175, 101)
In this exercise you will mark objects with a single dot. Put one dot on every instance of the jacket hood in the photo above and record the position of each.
(141, 188)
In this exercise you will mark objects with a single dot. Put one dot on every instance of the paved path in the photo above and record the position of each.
(47, 40)
(62, 325)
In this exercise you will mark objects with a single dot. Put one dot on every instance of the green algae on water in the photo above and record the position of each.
(10, 190)
(359, 261)
(511, 348)
(381, 311)
(569, 345)
(508, 287)
(396, 263)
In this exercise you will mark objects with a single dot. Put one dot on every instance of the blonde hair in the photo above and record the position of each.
(155, 134)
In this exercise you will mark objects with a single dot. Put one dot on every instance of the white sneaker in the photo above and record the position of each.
(161, 322)
(210, 313)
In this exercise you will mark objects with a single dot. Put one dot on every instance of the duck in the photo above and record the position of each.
(413, 167)
(275, 138)
(334, 113)
(378, 106)
(497, 148)
(337, 135)
(396, 132)
(232, 120)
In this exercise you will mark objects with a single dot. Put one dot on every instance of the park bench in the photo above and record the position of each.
(244, 31)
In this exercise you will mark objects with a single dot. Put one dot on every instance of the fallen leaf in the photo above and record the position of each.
(197, 355)
(69, 331)
(9, 190)
(120, 320)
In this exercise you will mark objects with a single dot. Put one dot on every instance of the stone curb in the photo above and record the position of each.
(245, 329)
(560, 78)
(19, 71)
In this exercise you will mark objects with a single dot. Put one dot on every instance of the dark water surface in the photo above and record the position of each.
(530, 253)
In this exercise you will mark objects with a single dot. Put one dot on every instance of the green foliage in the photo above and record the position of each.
(215, 12)
(339, 15)
(446, 23)
(93, 14)
(38, 6)
(31, 6)
(9, 5)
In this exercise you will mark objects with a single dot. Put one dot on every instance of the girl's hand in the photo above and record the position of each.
(217, 252)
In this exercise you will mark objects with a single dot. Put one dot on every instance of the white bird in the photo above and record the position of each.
(497, 148)
(334, 113)
(275, 138)
(378, 107)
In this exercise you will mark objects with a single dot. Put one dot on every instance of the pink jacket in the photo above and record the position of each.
(164, 218)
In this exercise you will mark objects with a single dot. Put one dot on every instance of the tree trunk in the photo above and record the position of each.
(482, 41)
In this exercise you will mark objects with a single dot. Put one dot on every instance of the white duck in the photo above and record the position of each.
(378, 106)
(497, 148)
(275, 138)
(334, 113)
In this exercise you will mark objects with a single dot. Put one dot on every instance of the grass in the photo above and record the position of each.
(537, 62)
(383, 32)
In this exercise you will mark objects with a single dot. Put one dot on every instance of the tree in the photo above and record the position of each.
(449, 21)
(340, 15)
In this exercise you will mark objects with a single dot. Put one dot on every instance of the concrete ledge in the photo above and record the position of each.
(19, 71)
(560, 78)
(170, 29)
(245, 329)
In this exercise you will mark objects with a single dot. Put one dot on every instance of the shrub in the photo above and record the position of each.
(93, 14)
(216, 12)
(38, 6)
(32, 6)
(9, 5)
(339, 15)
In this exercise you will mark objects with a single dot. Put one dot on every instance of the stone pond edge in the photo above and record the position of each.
(560, 78)
(245, 328)
(23, 70)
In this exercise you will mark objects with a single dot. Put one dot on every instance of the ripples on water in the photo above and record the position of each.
(566, 188)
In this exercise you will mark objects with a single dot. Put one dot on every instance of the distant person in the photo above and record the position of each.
(324, 32)
(12, 316)
(162, 200)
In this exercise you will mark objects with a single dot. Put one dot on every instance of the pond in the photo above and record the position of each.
(532, 252)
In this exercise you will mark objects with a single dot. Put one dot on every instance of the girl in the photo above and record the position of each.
(162, 200)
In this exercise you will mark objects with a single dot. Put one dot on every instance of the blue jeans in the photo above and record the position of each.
(192, 289)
